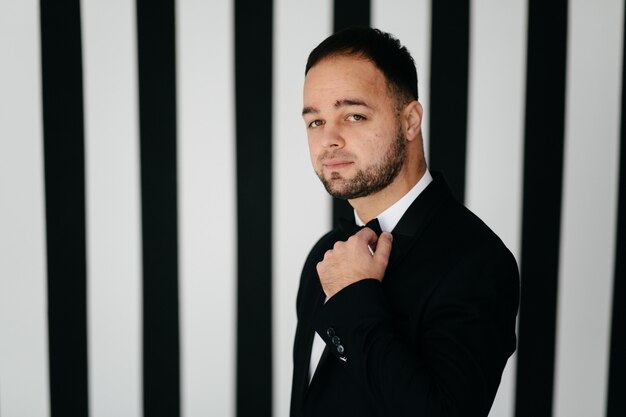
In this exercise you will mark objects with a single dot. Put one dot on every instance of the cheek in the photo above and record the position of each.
(372, 144)
(381, 140)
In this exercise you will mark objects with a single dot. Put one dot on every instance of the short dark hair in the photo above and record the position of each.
(381, 48)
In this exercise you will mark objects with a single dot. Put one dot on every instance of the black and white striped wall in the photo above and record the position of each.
(157, 200)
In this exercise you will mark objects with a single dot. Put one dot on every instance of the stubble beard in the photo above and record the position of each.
(371, 179)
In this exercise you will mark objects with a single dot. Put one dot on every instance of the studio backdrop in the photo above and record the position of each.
(157, 199)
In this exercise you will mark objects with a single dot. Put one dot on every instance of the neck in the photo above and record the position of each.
(370, 206)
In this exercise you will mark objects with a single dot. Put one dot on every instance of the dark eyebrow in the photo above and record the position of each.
(350, 102)
(338, 104)
(309, 110)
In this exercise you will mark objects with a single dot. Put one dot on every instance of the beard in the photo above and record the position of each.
(371, 179)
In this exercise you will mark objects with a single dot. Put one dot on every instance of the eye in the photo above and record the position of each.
(355, 118)
(316, 123)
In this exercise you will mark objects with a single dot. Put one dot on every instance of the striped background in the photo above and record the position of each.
(157, 201)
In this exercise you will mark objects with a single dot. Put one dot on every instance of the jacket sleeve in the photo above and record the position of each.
(458, 344)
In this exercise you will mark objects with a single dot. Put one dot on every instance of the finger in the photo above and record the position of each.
(369, 235)
(321, 268)
(383, 247)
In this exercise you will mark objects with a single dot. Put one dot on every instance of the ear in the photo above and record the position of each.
(412, 120)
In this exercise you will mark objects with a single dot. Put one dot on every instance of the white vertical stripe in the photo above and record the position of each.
(112, 207)
(409, 21)
(495, 133)
(23, 321)
(302, 209)
(207, 212)
(589, 206)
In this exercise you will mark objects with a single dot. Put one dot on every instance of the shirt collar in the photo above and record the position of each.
(390, 217)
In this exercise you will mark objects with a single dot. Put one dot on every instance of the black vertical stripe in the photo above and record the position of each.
(616, 400)
(253, 95)
(448, 91)
(543, 166)
(65, 205)
(348, 13)
(157, 122)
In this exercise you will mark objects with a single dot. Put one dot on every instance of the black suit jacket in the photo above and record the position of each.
(431, 340)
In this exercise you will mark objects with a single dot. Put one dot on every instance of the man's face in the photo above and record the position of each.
(355, 138)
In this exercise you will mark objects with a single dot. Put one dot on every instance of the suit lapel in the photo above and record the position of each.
(417, 217)
(318, 305)
(317, 298)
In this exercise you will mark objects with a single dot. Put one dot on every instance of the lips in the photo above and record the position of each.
(336, 163)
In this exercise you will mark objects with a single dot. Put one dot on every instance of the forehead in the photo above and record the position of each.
(338, 77)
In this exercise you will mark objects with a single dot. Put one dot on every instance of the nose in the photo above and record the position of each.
(331, 137)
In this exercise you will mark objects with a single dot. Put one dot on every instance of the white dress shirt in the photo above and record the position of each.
(388, 219)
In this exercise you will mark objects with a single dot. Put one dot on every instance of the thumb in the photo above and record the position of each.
(383, 247)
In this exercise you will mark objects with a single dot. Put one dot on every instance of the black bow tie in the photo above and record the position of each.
(348, 226)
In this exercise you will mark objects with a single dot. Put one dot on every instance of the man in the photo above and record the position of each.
(419, 321)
